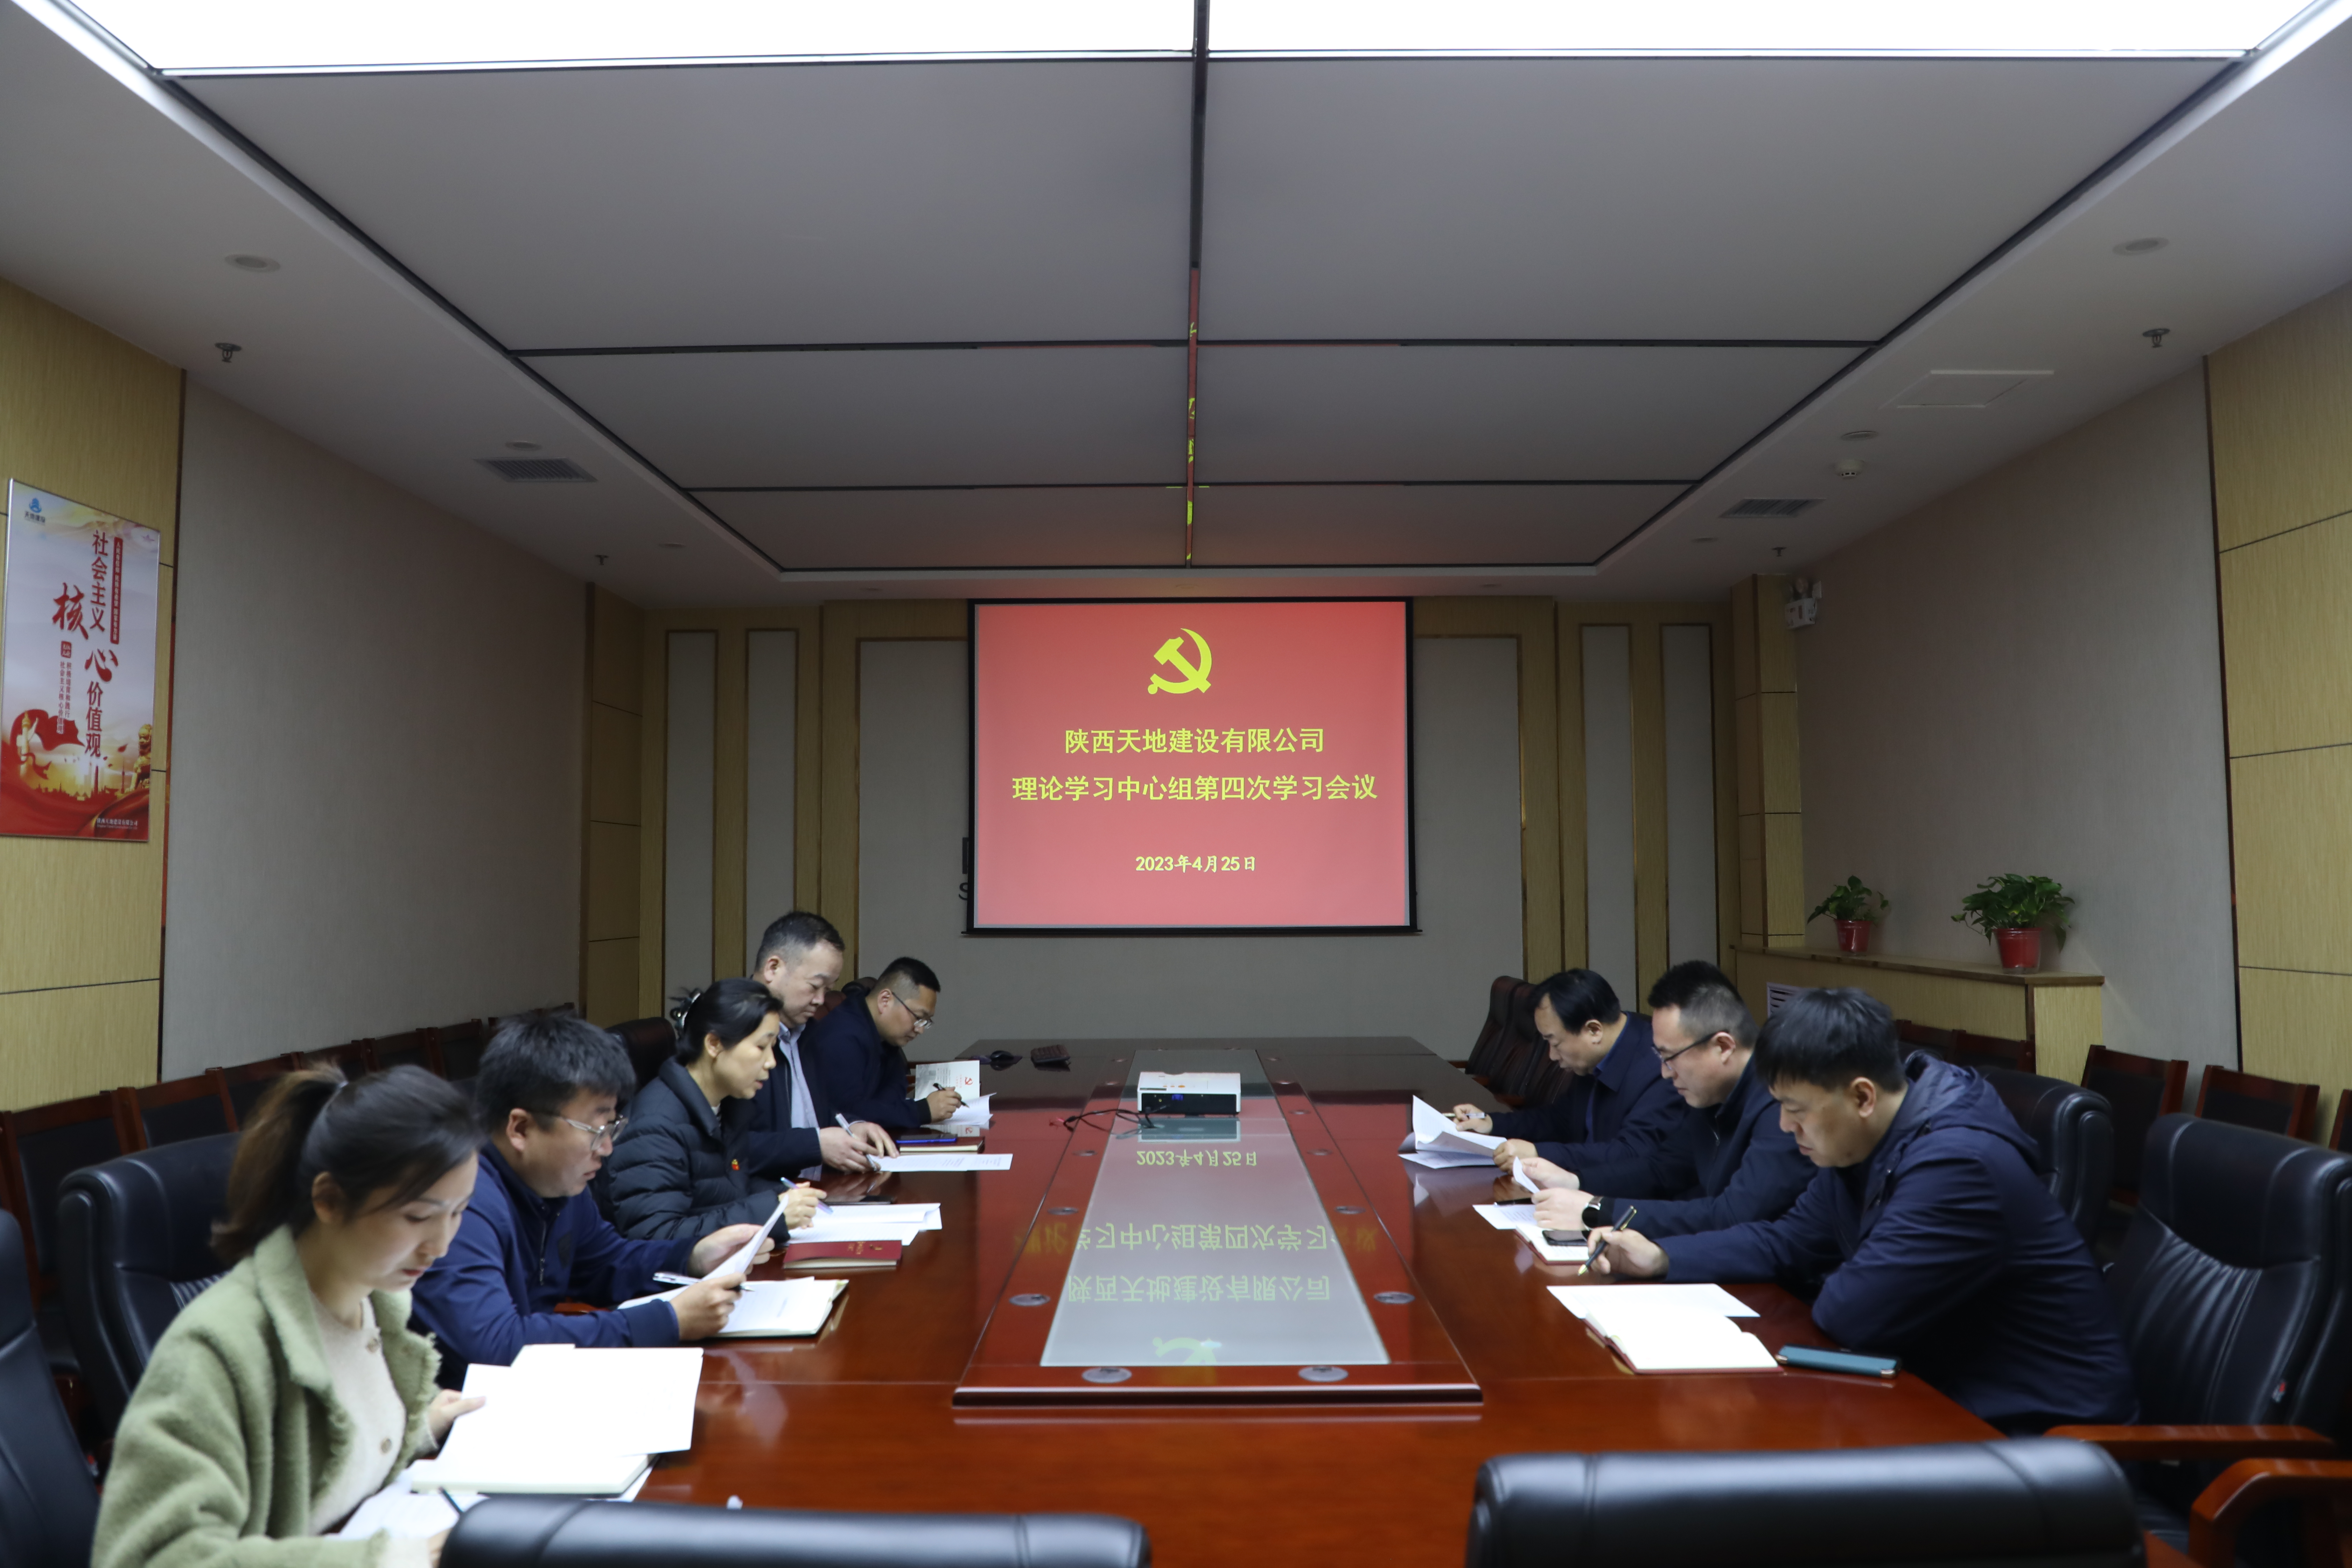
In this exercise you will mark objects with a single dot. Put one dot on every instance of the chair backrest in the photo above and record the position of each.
(1495, 1029)
(2235, 1279)
(357, 1059)
(134, 1245)
(832, 999)
(554, 1532)
(2056, 1504)
(48, 1505)
(42, 1147)
(2250, 1100)
(1920, 1037)
(1990, 1051)
(462, 1045)
(2343, 1114)
(416, 1048)
(2138, 1089)
(178, 1109)
(649, 1042)
(249, 1081)
(2076, 1134)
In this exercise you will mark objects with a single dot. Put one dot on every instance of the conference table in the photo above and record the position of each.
(968, 1380)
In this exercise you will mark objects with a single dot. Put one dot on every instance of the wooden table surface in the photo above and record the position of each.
(860, 1416)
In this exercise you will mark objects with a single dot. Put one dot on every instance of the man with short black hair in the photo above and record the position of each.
(859, 1051)
(1933, 1219)
(1727, 1162)
(792, 1123)
(549, 1093)
(1615, 1101)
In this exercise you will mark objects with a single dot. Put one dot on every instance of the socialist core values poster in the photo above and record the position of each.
(77, 670)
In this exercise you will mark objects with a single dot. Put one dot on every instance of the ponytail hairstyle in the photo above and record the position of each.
(731, 1009)
(384, 1139)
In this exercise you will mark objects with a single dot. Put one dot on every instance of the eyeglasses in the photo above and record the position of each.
(1666, 1059)
(609, 1133)
(922, 1020)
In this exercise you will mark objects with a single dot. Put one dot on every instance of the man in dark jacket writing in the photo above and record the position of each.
(1727, 1162)
(1931, 1217)
(1616, 1104)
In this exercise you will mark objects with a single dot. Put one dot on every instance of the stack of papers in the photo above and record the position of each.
(924, 1164)
(871, 1222)
(1670, 1328)
(566, 1420)
(1436, 1142)
(773, 1309)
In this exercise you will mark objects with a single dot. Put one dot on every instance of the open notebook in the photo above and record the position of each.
(774, 1308)
(1668, 1328)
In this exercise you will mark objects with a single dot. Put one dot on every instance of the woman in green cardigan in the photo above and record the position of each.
(293, 1389)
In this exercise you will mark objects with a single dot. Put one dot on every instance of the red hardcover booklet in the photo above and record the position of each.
(825, 1257)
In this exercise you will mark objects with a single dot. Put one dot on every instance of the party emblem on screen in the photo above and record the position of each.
(1171, 652)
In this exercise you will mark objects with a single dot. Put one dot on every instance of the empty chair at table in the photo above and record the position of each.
(178, 1109)
(2138, 1091)
(567, 1532)
(2250, 1100)
(2030, 1499)
(48, 1505)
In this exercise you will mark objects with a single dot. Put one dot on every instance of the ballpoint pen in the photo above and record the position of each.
(1603, 1251)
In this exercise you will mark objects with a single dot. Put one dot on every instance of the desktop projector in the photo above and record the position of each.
(1188, 1093)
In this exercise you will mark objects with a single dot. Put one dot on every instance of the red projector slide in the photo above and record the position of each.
(1200, 764)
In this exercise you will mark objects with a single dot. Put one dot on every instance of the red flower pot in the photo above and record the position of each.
(2020, 950)
(1853, 936)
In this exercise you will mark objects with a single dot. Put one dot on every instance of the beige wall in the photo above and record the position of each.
(378, 822)
(2025, 677)
(84, 415)
(2282, 403)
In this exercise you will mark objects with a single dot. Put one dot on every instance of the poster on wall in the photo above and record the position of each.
(77, 670)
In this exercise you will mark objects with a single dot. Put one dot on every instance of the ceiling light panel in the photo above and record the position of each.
(777, 205)
(968, 416)
(904, 530)
(1324, 27)
(1620, 199)
(1409, 525)
(1333, 414)
(212, 35)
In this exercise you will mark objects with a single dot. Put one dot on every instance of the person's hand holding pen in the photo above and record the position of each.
(801, 1205)
(1470, 1119)
(1617, 1253)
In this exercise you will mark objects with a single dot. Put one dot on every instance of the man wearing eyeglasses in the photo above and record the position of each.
(549, 1093)
(858, 1052)
(1727, 1162)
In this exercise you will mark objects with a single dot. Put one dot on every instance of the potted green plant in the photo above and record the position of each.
(1854, 908)
(2013, 911)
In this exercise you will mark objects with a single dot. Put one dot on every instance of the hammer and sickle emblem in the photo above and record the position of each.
(1171, 652)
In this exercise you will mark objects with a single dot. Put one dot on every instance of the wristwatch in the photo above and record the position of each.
(1596, 1214)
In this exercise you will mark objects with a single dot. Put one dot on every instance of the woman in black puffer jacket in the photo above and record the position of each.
(680, 1170)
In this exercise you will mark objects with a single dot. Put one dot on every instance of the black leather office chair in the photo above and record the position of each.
(48, 1505)
(2056, 1504)
(135, 1242)
(566, 1532)
(2234, 1288)
(2077, 1133)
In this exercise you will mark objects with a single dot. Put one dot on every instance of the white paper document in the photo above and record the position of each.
(1519, 1176)
(1436, 1142)
(1585, 1300)
(913, 1164)
(1677, 1338)
(776, 1308)
(839, 1223)
(740, 1261)
(1504, 1217)
(400, 1511)
(565, 1419)
(962, 1077)
(972, 1116)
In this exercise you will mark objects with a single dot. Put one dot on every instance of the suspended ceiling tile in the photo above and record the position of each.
(1337, 415)
(856, 203)
(1409, 525)
(918, 417)
(1616, 198)
(900, 529)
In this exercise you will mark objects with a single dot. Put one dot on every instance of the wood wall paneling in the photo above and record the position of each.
(612, 816)
(2289, 671)
(2281, 402)
(1771, 821)
(2288, 1021)
(86, 415)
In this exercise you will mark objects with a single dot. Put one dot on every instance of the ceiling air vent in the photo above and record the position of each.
(1786, 507)
(539, 470)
